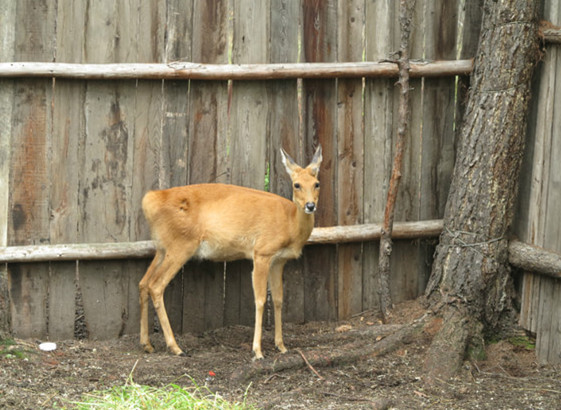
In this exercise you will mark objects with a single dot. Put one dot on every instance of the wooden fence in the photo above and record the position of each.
(80, 152)
(539, 217)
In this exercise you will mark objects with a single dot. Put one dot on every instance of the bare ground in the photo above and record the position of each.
(509, 378)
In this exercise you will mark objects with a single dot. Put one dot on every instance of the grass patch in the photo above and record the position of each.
(268, 178)
(524, 342)
(136, 396)
(10, 349)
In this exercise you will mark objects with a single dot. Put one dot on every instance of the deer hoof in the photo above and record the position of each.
(148, 348)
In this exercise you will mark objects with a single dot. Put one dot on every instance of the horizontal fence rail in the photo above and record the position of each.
(521, 255)
(196, 71)
(146, 249)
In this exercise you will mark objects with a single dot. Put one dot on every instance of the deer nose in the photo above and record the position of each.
(310, 207)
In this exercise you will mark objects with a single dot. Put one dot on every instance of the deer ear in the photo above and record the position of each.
(288, 162)
(316, 162)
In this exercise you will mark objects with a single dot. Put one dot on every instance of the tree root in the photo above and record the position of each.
(447, 350)
(317, 358)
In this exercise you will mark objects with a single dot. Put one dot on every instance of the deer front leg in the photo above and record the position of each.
(259, 279)
(276, 292)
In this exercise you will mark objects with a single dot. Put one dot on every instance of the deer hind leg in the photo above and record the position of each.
(163, 273)
(144, 296)
(259, 277)
(275, 282)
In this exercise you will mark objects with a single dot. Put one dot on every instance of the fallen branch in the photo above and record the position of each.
(309, 365)
(405, 16)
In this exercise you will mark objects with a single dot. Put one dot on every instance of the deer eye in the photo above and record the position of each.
(317, 185)
(297, 185)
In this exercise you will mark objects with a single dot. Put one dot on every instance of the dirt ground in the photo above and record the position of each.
(509, 378)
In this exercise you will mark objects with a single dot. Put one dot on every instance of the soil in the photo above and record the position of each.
(509, 378)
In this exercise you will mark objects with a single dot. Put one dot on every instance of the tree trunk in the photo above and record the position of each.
(470, 283)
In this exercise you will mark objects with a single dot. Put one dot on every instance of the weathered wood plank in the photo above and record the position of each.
(350, 161)
(67, 155)
(554, 352)
(538, 219)
(146, 45)
(284, 131)
(545, 331)
(247, 130)
(30, 182)
(378, 129)
(105, 296)
(111, 36)
(144, 173)
(203, 307)
(28, 294)
(7, 89)
(224, 72)
(434, 135)
(319, 127)
(62, 300)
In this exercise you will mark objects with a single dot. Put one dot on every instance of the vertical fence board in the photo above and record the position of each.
(350, 160)
(7, 33)
(248, 133)
(319, 116)
(62, 297)
(29, 293)
(105, 295)
(284, 133)
(105, 194)
(148, 112)
(207, 129)
(29, 218)
(437, 133)
(538, 218)
(173, 172)
(67, 153)
(148, 118)
(554, 350)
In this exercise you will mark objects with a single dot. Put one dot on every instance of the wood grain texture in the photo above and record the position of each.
(538, 205)
(319, 127)
(29, 176)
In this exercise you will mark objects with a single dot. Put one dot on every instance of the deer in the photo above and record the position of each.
(223, 223)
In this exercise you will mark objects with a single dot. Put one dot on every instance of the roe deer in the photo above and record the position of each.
(225, 223)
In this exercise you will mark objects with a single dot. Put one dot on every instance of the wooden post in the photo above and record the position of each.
(404, 111)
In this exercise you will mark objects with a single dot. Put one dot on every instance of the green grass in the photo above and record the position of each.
(523, 341)
(268, 178)
(135, 396)
(9, 349)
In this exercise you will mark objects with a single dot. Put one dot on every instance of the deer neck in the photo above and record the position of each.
(304, 225)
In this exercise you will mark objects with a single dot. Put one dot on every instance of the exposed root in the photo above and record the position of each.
(348, 353)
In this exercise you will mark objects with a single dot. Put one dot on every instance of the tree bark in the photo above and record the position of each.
(470, 281)
(405, 16)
